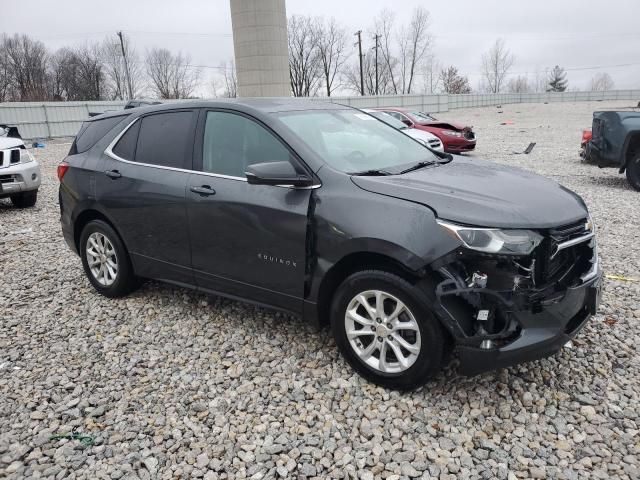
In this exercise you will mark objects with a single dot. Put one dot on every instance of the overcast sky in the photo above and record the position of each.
(576, 34)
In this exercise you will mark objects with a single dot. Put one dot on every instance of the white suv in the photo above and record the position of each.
(19, 171)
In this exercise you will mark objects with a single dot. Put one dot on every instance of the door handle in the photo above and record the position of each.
(203, 190)
(113, 174)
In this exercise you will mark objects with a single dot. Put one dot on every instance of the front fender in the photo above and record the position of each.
(359, 221)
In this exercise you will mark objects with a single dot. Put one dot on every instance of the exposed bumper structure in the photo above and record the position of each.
(542, 334)
(507, 309)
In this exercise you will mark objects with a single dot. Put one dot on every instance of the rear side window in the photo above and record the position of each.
(165, 139)
(91, 132)
(126, 146)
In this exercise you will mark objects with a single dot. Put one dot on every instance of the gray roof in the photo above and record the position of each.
(263, 105)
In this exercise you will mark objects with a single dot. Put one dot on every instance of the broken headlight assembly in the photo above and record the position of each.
(494, 240)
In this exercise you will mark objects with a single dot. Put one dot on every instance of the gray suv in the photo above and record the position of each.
(331, 214)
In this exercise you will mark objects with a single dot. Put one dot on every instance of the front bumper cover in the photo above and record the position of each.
(22, 177)
(542, 334)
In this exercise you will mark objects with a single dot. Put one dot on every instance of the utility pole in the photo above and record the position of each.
(376, 38)
(360, 56)
(126, 66)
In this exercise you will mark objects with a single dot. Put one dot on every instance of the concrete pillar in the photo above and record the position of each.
(260, 45)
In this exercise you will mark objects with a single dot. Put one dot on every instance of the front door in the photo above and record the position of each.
(246, 240)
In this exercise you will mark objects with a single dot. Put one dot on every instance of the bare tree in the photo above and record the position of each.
(431, 75)
(230, 79)
(540, 80)
(351, 77)
(601, 82)
(496, 64)
(304, 60)
(453, 82)
(384, 27)
(414, 41)
(5, 71)
(331, 50)
(519, 84)
(27, 61)
(557, 80)
(77, 74)
(115, 71)
(171, 75)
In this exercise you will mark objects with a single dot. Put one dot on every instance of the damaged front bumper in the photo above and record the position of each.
(541, 334)
(503, 310)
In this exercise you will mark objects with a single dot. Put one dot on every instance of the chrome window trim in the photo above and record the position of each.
(109, 152)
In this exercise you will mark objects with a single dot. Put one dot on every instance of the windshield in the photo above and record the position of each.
(423, 117)
(352, 141)
(389, 120)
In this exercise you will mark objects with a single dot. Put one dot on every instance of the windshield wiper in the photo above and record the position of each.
(371, 173)
(417, 166)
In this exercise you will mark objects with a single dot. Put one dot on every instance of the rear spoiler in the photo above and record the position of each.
(10, 131)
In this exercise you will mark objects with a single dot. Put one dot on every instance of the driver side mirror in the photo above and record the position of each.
(276, 173)
(407, 122)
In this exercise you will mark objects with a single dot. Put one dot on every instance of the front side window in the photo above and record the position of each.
(164, 139)
(351, 141)
(233, 142)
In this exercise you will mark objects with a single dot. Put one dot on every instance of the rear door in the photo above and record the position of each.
(247, 240)
(142, 188)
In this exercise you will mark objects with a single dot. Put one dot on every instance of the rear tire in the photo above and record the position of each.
(633, 172)
(106, 261)
(25, 199)
(373, 339)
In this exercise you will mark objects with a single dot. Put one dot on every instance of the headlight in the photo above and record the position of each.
(25, 156)
(493, 240)
(452, 133)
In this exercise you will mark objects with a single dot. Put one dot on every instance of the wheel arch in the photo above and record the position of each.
(352, 263)
(631, 149)
(87, 216)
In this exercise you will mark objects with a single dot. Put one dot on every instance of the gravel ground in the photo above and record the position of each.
(171, 383)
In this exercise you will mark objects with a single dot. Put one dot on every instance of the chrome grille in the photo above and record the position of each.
(566, 253)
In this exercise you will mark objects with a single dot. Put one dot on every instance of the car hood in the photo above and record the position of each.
(10, 142)
(476, 192)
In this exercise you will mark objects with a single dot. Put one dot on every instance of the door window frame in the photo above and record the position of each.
(198, 149)
(190, 148)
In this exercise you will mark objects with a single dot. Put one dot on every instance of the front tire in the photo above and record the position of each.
(633, 172)
(25, 199)
(383, 327)
(105, 260)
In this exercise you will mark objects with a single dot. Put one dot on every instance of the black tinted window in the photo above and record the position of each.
(91, 132)
(126, 146)
(164, 139)
(232, 142)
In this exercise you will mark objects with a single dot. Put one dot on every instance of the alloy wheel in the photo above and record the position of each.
(382, 331)
(102, 259)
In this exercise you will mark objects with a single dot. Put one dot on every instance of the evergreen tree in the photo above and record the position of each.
(557, 80)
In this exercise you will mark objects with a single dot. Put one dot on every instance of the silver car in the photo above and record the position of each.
(426, 138)
(19, 171)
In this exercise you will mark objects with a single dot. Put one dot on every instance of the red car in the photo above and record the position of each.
(455, 138)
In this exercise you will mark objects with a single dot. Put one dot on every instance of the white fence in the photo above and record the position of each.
(63, 119)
